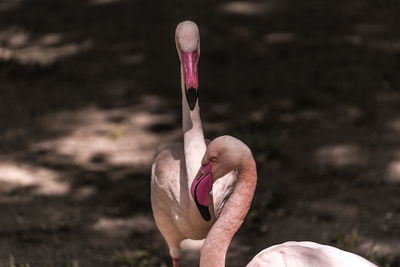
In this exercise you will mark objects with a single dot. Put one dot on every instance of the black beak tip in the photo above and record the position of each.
(205, 213)
(191, 97)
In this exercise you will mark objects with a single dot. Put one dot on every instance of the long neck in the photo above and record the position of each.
(193, 137)
(219, 237)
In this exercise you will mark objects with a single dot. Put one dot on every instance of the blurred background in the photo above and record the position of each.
(90, 91)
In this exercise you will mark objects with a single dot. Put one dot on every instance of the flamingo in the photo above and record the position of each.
(223, 155)
(175, 213)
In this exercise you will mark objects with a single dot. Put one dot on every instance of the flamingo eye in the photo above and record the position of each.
(213, 159)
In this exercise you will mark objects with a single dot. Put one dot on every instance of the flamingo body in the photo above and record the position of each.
(173, 208)
(174, 168)
(306, 254)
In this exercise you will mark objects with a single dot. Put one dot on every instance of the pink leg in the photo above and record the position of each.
(175, 262)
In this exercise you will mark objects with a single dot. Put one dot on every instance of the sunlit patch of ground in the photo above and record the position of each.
(247, 8)
(123, 227)
(395, 125)
(340, 155)
(22, 47)
(280, 37)
(44, 181)
(393, 169)
(98, 137)
(97, 140)
(379, 248)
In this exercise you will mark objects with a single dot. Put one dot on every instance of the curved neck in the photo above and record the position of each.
(193, 137)
(218, 239)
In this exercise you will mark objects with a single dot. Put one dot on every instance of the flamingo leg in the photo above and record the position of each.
(175, 262)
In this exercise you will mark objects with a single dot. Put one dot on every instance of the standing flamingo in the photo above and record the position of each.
(223, 155)
(174, 168)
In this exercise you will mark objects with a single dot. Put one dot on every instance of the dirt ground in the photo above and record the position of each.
(89, 92)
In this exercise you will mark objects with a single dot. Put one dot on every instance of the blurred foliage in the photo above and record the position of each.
(386, 261)
(115, 132)
(347, 241)
(73, 263)
(137, 258)
(34, 231)
(271, 200)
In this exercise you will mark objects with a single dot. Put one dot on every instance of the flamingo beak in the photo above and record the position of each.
(189, 66)
(201, 188)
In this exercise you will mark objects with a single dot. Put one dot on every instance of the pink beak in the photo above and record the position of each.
(189, 66)
(201, 188)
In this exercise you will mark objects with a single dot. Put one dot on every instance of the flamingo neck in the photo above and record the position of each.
(193, 137)
(214, 249)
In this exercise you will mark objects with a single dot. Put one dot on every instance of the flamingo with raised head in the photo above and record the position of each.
(223, 155)
(175, 213)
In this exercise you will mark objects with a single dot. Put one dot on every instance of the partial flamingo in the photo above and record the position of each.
(223, 155)
(307, 254)
(174, 168)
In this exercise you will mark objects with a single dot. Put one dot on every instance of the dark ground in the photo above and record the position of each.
(89, 91)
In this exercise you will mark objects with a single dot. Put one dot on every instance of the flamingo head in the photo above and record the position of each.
(224, 154)
(187, 39)
(201, 188)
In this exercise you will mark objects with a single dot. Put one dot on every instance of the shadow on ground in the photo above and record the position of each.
(90, 92)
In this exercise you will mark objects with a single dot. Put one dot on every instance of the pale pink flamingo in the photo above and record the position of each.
(223, 155)
(174, 168)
